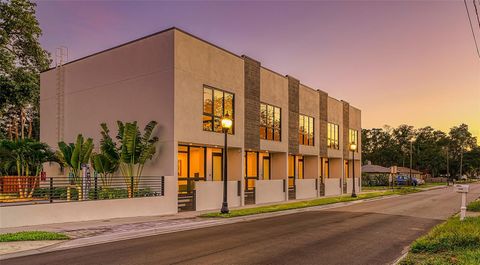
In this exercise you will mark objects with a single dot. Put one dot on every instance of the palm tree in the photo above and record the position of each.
(26, 156)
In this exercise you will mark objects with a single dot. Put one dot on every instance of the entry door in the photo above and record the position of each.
(182, 171)
(346, 170)
(291, 171)
(251, 170)
(217, 166)
(300, 168)
(266, 168)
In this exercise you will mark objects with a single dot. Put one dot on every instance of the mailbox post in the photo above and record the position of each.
(463, 189)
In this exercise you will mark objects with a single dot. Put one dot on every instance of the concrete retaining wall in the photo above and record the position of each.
(23, 215)
(349, 185)
(332, 186)
(305, 188)
(267, 191)
(209, 195)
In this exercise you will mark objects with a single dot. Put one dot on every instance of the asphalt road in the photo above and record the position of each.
(373, 232)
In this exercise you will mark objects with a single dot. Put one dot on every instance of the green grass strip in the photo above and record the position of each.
(452, 242)
(304, 204)
(32, 236)
(474, 206)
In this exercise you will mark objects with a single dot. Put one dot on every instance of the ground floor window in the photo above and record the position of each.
(191, 166)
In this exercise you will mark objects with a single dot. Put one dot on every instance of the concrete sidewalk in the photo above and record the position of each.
(103, 231)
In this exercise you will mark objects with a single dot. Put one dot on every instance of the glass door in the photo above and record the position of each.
(217, 166)
(191, 167)
(182, 169)
(266, 168)
(300, 167)
(251, 170)
(291, 171)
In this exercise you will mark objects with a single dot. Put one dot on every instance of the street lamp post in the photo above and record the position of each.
(353, 147)
(226, 125)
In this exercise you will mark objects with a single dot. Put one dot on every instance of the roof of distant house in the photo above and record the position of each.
(407, 170)
(375, 169)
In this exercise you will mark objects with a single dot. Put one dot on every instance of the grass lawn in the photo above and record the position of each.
(474, 206)
(32, 236)
(303, 204)
(452, 242)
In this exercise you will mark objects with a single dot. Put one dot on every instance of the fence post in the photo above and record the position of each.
(163, 186)
(50, 195)
(95, 181)
(239, 188)
(131, 187)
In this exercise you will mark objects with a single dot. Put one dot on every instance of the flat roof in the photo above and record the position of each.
(191, 35)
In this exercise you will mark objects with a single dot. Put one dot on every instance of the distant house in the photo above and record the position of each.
(375, 175)
(405, 171)
(370, 169)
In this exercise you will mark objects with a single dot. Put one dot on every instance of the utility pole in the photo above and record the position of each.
(448, 167)
(461, 162)
(411, 155)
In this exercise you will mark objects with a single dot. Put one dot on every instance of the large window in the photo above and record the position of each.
(353, 137)
(216, 104)
(306, 130)
(270, 122)
(332, 136)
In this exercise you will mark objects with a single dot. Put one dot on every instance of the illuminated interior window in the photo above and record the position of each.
(270, 122)
(216, 104)
(332, 136)
(306, 130)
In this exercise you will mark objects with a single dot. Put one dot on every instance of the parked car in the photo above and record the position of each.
(403, 180)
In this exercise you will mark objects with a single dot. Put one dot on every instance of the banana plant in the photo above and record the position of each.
(134, 151)
(73, 156)
(107, 161)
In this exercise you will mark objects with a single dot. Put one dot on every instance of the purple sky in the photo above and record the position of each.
(400, 62)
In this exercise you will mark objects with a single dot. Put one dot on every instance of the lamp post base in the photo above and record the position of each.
(224, 209)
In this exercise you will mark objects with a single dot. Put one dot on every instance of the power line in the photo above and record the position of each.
(476, 12)
(471, 27)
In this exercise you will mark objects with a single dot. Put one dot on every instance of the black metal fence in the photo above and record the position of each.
(34, 190)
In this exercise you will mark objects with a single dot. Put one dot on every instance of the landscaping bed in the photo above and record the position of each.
(32, 236)
(304, 204)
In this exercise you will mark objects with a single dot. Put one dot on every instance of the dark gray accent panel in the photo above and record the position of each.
(346, 127)
(252, 103)
(293, 109)
(323, 123)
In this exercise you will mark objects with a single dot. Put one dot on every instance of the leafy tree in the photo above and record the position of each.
(21, 61)
(403, 135)
(387, 147)
(460, 141)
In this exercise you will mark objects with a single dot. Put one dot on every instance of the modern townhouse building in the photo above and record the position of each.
(288, 141)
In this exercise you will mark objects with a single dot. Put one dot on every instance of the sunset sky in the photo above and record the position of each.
(399, 62)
